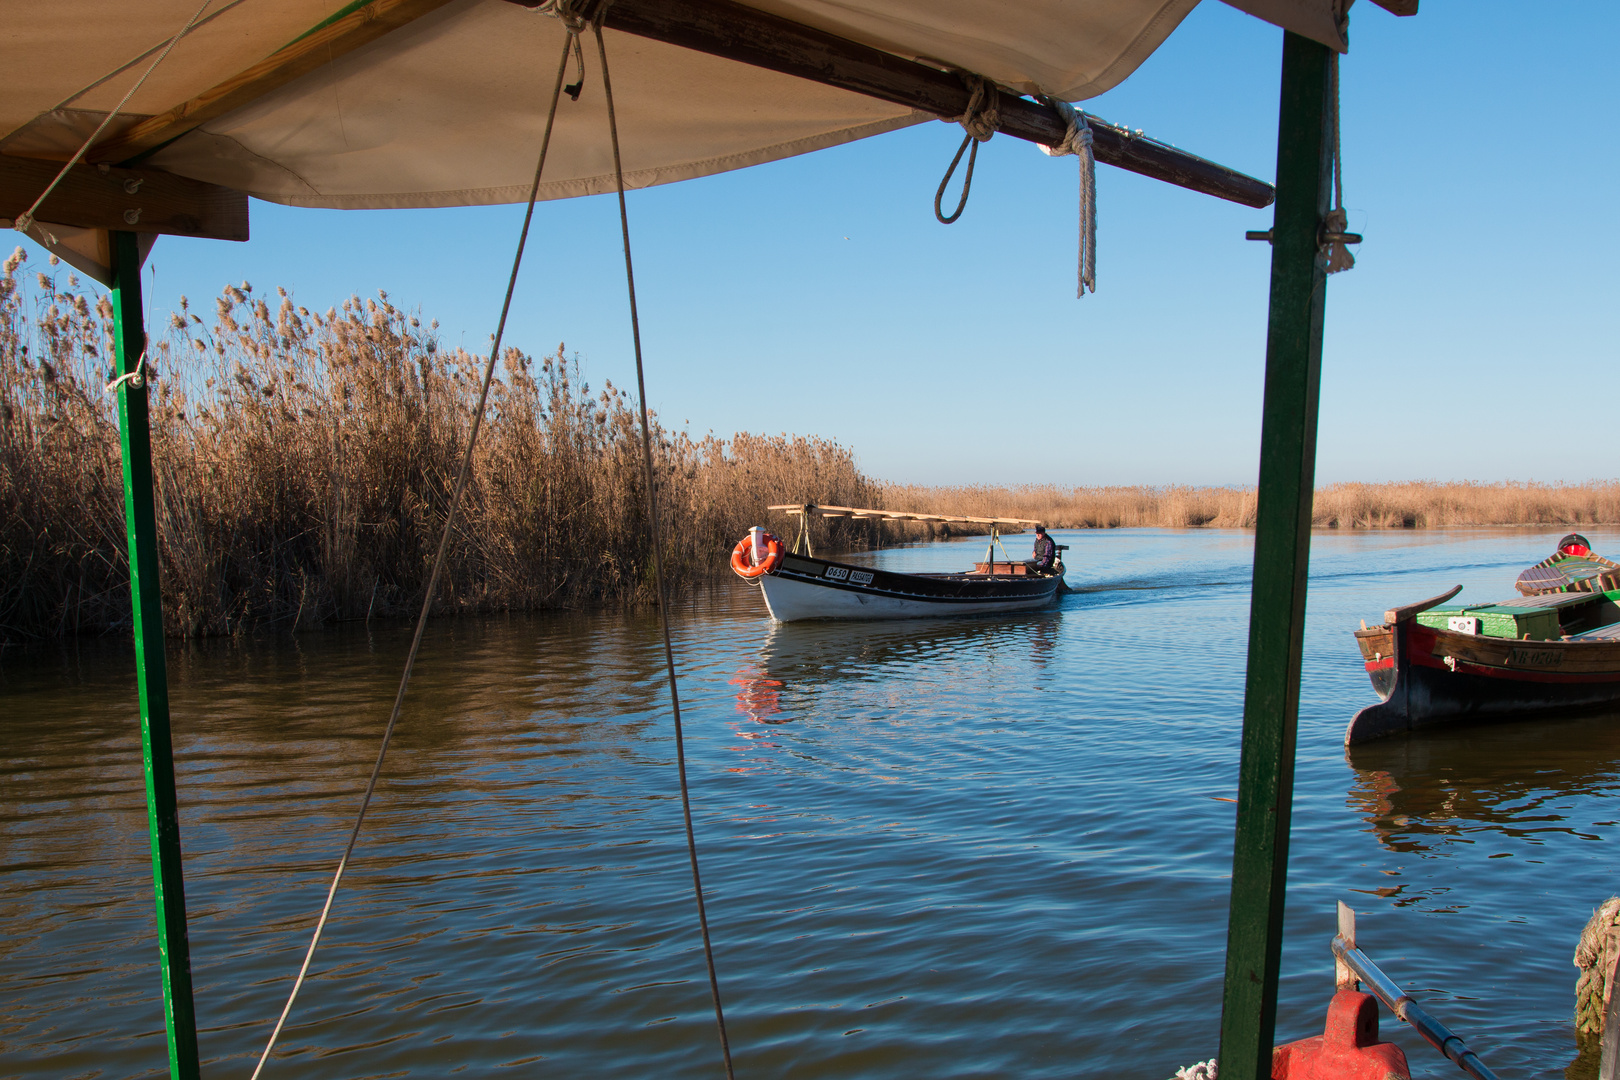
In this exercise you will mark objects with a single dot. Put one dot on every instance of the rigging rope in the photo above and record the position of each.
(26, 220)
(658, 557)
(1077, 141)
(980, 122)
(1339, 256)
(438, 559)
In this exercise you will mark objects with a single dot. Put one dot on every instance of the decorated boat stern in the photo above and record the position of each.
(1439, 665)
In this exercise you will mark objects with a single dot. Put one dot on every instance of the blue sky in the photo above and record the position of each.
(818, 295)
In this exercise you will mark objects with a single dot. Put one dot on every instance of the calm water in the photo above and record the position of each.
(987, 847)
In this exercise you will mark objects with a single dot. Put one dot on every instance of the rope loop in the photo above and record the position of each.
(967, 181)
(980, 120)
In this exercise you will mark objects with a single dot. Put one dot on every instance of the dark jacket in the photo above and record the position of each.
(1045, 552)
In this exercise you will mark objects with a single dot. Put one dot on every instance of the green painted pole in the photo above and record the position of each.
(146, 599)
(1281, 557)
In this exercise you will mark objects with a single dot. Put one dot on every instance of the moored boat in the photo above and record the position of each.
(797, 585)
(1553, 651)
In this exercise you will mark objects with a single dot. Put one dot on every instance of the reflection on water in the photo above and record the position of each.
(1517, 780)
(991, 846)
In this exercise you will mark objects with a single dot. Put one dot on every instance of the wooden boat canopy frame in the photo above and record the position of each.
(74, 37)
(860, 514)
(737, 32)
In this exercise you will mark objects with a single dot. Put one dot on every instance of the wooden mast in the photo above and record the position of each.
(1281, 556)
(151, 671)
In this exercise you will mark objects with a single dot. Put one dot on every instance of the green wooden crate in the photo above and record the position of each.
(1540, 624)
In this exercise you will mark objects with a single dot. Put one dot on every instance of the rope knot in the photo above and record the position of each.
(1338, 255)
(983, 115)
(135, 379)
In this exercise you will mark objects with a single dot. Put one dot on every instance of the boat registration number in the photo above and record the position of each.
(844, 573)
(1536, 657)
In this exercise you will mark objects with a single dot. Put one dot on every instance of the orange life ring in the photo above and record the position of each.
(742, 557)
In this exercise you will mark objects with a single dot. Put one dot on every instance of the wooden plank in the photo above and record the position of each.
(892, 515)
(1395, 615)
(1398, 7)
(127, 200)
(309, 52)
(737, 32)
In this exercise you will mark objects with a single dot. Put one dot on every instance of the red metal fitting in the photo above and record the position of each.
(1347, 1049)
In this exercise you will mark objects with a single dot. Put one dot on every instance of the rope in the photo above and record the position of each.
(1077, 141)
(1338, 255)
(1199, 1070)
(658, 559)
(134, 379)
(1595, 957)
(438, 565)
(26, 221)
(980, 122)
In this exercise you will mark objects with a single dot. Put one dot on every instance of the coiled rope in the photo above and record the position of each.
(1595, 957)
(438, 563)
(980, 121)
(1077, 140)
(658, 557)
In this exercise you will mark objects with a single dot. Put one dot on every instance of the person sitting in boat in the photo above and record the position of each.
(1045, 553)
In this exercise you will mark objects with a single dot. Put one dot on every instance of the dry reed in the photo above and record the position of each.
(302, 465)
(1412, 505)
(303, 461)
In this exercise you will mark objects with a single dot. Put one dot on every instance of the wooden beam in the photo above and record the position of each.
(1401, 614)
(125, 200)
(860, 513)
(321, 46)
(1398, 7)
(737, 32)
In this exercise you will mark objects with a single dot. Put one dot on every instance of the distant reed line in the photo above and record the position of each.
(1410, 505)
(303, 460)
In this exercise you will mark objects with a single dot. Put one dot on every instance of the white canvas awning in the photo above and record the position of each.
(446, 108)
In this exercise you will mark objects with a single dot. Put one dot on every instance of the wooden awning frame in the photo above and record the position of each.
(720, 28)
(864, 514)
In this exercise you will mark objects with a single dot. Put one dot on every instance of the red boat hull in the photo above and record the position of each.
(1429, 676)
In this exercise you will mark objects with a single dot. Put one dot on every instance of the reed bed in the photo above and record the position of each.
(1411, 505)
(1081, 507)
(303, 463)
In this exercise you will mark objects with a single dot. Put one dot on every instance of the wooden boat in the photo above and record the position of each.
(798, 586)
(1556, 651)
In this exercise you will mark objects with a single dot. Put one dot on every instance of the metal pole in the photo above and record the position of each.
(1281, 552)
(146, 600)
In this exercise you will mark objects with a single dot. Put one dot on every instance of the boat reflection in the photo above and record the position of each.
(802, 658)
(1421, 792)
